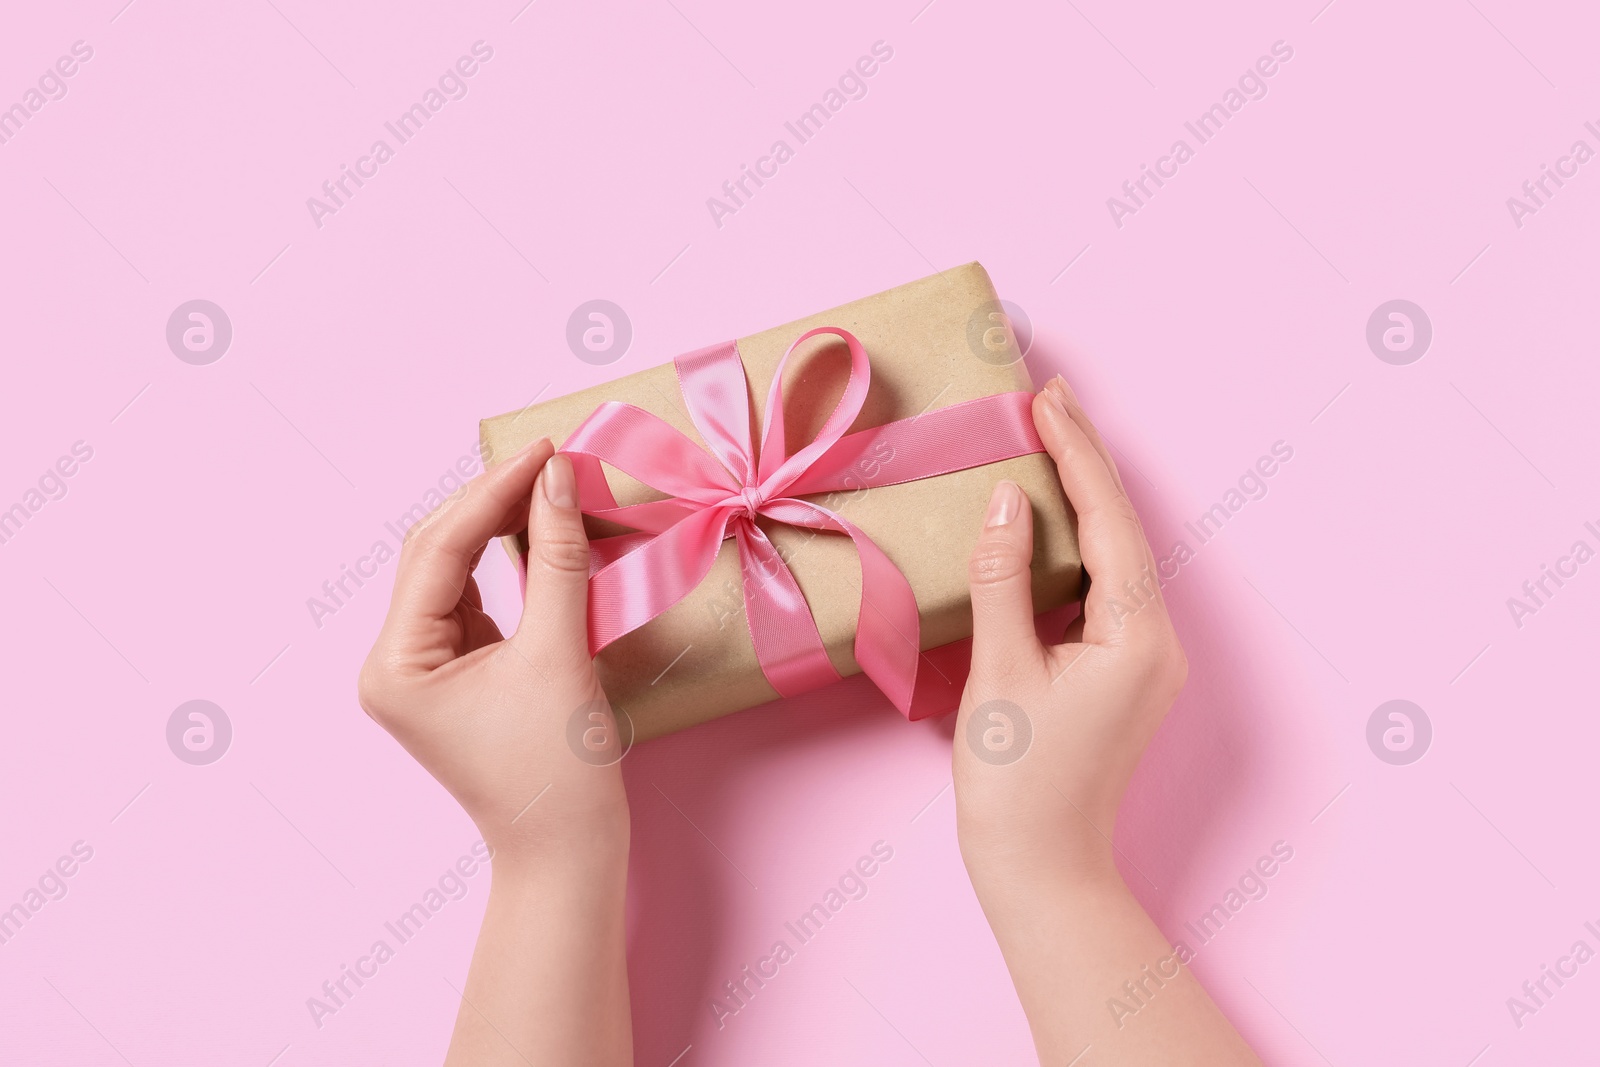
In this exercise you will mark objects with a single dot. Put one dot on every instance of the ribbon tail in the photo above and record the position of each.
(888, 629)
(648, 580)
(605, 551)
(788, 646)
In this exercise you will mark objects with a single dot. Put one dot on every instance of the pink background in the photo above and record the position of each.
(1229, 313)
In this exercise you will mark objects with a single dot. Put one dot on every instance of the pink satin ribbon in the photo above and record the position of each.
(718, 494)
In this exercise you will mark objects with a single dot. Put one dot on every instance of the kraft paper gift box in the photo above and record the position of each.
(932, 343)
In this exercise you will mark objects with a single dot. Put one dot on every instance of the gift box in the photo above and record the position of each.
(772, 564)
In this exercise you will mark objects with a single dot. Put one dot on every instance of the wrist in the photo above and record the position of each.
(1022, 856)
(594, 862)
(1021, 881)
(567, 828)
(595, 847)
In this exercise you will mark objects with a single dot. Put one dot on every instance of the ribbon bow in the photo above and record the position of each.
(717, 494)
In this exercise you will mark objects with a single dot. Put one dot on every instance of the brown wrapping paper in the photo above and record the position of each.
(932, 343)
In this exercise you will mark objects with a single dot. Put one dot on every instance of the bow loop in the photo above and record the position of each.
(778, 470)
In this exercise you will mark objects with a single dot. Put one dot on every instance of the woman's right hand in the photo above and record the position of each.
(1048, 736)
(1046, 741)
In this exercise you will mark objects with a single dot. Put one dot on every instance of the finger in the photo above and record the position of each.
(555, 607)
(1145, 591)
(438, 553)
(1110, 540)
(1001, 576)
(1069, 400)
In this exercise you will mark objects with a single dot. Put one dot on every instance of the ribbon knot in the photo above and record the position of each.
(635, 577)
(751, 496)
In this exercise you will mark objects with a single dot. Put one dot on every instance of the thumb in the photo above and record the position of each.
(555, 607)
(1002, 579)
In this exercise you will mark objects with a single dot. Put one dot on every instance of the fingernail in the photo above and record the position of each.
(560, 487)
(1052, 396)
(1063, 391)
(1003, 505)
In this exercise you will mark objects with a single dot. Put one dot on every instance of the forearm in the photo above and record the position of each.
(549, 981)
(1095, 976)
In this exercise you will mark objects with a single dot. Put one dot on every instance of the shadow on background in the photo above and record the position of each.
(685, 791)
(1201, 764)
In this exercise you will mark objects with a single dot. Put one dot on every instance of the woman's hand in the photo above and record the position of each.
(1046, 741)
(488, 716)
(1048, 736)
(519, 731)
